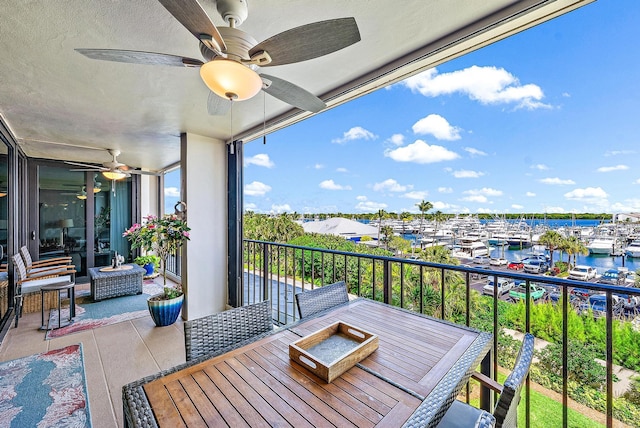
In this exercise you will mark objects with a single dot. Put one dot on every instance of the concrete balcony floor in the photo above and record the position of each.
(114, 355)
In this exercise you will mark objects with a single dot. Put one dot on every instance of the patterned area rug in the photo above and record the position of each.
(45, 390)
(90, 315)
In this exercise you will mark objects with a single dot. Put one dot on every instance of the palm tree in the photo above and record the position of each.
(438, 217)
(552, 240)
(423, 206)
(573, 246)
(387, 233)
(405, 216)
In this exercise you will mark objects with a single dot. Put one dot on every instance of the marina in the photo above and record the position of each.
(610, 244)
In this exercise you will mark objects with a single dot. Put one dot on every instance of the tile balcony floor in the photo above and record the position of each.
(114, 355)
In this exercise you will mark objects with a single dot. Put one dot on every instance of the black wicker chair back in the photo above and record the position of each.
(321, 298)
(506, 409)
(461, 415)
(210, 334)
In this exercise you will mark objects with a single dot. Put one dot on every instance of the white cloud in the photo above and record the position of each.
(619, 152)
(467, 174)
(318, 166)
(260, 159)
(280, 208)
(612, 168)
(342, 170)
(390, 185)
(637, 181)
(540, 166)
(355, 133)
(587, 194)
(530, 194)
(629, 205)
(439, 205)
(250, 207)
(331, 185)
(445, 189)
(256, 188)
(517, 206)
(437, 126)
(361, 198)
(417, 195)
(172, 192)
(371, 207)
(556, 181)
(421, 152)
(555, 210)
(397, 139)
(487, 191)
(474, 152)
(487, 85)
(476, 198)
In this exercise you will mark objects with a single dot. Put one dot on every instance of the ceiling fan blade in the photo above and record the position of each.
(137, 171)
(139, 57)
(85, 165)
(194, 18)
(87, 169)
(292, 94)
(309, 41)
(217, 106)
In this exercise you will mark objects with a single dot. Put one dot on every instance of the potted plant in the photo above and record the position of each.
(148, 262)
(163, 236)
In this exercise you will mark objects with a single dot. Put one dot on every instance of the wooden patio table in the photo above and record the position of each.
(419, 368)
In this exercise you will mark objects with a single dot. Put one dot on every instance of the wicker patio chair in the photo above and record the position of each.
(321, 298)
(29, 283)
(505, 413)
(208, 335)
(56, 263)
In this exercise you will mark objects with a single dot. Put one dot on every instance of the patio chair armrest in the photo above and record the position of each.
(49, 262)
(487, 381)
(68, 270)
(49, 270)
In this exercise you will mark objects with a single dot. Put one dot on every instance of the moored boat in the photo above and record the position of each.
(633, 249)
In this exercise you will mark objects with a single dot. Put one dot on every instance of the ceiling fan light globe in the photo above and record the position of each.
(230, 79)
(114, 175)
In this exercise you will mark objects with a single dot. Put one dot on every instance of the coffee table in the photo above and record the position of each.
(107, 282)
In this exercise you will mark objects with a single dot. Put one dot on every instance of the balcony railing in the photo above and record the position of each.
(279, 271)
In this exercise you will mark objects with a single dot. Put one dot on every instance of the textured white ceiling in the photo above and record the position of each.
(62, 105)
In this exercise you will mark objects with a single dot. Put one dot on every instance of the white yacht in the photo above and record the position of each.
(601, 245)
(470, 248)
(633, 249)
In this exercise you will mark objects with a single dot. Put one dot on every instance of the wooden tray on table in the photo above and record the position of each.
(333, 350)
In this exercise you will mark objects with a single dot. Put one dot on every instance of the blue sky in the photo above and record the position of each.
(544, 121)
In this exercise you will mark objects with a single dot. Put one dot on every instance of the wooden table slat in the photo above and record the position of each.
(162, 405)
(223, 406)
(206, 409)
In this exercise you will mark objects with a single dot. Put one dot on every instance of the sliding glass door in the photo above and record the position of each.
(64, 226)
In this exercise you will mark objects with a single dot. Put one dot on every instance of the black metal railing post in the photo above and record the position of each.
(387, 292)
(265, 269)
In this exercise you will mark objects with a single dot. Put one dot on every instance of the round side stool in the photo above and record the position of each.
(70, 287)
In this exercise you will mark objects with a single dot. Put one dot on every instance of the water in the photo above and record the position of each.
(600, 262)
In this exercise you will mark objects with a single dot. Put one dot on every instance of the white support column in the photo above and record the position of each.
(149, 196)
(204, 189)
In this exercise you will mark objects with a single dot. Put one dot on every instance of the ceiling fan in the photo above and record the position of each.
(233, 56)
(113, 170)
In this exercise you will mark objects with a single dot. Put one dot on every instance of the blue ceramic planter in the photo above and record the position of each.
(165, 312)
(149, 269)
